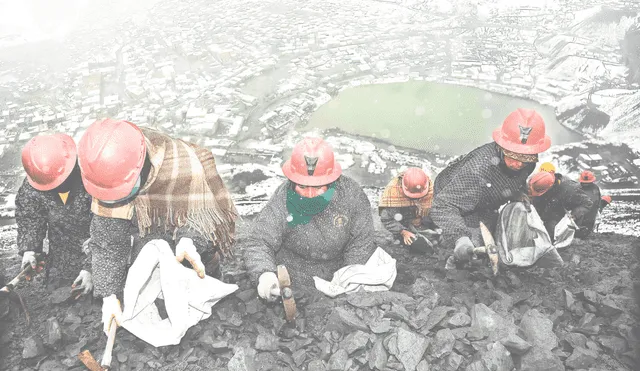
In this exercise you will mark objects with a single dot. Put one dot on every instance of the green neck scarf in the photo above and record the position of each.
(302, 209)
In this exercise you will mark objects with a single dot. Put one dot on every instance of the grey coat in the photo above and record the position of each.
(340, 235)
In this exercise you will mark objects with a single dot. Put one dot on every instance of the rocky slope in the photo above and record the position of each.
(581, 317)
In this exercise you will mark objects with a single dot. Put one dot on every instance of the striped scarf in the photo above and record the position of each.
(393, 196)
(183, 189)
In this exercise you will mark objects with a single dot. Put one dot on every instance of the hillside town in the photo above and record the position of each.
(241, 82)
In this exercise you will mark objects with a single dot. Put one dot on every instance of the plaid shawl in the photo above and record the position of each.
(183, 189)
(393, 196)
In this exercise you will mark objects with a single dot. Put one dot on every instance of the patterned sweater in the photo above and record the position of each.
(340, 235)
(471, 189)
(40, 214)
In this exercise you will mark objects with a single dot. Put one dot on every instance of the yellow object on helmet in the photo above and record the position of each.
(548, 167)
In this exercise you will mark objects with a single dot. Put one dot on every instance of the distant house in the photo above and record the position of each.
(590, 160)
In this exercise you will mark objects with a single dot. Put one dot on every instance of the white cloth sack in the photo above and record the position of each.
(565, 231)
(543, 251)
(188, 299)
(378, 274)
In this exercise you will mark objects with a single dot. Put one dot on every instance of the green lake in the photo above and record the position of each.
(433, 117)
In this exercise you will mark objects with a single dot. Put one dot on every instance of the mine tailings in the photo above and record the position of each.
(434, 117)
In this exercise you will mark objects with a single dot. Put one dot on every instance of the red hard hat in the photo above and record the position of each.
(111, 154)
(48, 160)
(523, 131)
(606, 199)
(587, 177)
(541, 182)
(415, 183)
(312, 163)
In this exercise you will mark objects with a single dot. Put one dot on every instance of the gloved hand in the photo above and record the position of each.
(83, 284)
(407, 237)
(268, 286)
(110, 309)
(29, 259)
(186, 249)
(463, 250)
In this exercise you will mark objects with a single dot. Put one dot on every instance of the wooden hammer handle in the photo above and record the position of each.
(108, 350)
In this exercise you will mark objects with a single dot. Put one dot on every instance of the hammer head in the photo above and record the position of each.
(491, 248)
(286, 293)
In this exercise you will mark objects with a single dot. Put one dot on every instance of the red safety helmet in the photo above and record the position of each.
(587, 177)
(111, 154)
(312, 163)
(541, 182)
(606, 198)
(48, 160)
(415, 183)
(523, 131)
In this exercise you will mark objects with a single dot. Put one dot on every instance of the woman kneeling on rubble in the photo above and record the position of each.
(315, 223)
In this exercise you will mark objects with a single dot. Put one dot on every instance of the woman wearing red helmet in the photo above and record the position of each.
(146, 186)
(472, 188)
(404, 210)
(52, 203)
(315, 223)
(565, 195)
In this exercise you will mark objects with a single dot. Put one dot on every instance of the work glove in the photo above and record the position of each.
(82, 285)
(29, 258)
(463, 250)
(268, 286)
(186, 249)
(110, 309)
(407, 237)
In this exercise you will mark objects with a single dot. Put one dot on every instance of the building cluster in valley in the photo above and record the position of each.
(240, 80)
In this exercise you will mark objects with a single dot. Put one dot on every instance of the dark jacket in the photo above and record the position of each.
(565, 195)
(340, 235)
(589, 220)
(42, 213)
(471, 189)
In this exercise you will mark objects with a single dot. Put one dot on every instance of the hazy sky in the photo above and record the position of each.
(33, 20)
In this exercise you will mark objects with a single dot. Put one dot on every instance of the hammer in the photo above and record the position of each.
(489, 248)
(286, 293)
(87, 359)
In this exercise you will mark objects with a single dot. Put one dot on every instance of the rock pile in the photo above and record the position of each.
(582, 317)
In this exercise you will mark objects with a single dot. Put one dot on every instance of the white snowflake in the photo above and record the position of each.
(488, 185)
(398, 217)
(290, 218)
(392, 148)
(495, 161)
